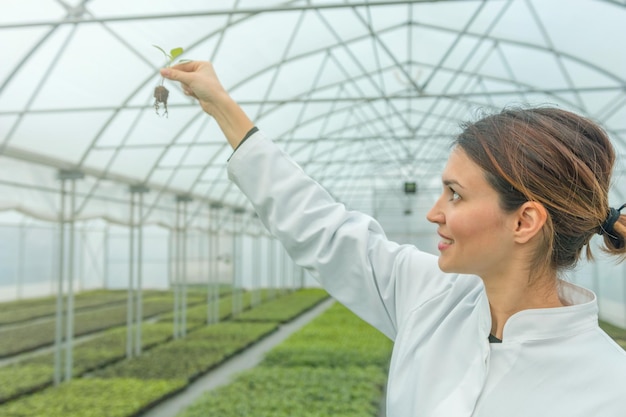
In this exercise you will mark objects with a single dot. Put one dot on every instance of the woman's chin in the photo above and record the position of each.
(444, 266)
(450, 268)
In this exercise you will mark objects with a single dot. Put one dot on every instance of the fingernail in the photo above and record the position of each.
(166, 72)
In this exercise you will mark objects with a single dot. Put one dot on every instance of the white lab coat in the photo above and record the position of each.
(552, 362)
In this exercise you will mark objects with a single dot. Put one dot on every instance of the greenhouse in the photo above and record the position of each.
(131, 266)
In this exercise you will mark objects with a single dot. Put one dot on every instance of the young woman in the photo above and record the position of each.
(488, 328)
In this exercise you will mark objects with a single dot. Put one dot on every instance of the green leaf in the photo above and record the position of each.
(170, 58)
(93, 398)
(176, 52)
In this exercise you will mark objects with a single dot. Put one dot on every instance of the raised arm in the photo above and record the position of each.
(199, 80)
(346, 251)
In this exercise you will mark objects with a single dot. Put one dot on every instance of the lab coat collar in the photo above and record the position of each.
(546, 323)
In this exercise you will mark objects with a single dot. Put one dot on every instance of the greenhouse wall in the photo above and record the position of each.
(608, 280)
(29, 258)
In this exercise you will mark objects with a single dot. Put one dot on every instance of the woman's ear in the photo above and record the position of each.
(530, 216)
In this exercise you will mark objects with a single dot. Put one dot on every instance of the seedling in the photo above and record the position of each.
(160, 92)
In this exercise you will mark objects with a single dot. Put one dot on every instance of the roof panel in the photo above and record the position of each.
(519, 23)
(136, 163)
(342, 78)
(122, 8)
(15, 52)
(588, 31)
(525, 61)
(64, 136)
(19, 11)
(88, 72)
(24, 81)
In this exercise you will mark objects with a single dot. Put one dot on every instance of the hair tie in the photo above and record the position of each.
(607, 227)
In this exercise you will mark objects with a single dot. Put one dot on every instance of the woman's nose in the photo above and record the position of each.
(435, 215)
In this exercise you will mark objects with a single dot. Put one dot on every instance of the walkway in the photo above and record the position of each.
(224, 373)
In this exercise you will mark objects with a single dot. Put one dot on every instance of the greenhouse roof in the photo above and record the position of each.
(365, 95)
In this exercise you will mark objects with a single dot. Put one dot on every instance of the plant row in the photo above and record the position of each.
(335, 347)
(192, 356)
(50, 300)
(208, 346)
(336, 365)
(33, 374)
(27, 337)
(335, 339)
(92, 397)
(292, 304)
(197, 316)
(182, 359)
(25, 310)
(296, 391)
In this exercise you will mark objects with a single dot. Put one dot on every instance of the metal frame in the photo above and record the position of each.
(362, 11)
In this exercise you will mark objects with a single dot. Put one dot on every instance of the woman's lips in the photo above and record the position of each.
(444, 243)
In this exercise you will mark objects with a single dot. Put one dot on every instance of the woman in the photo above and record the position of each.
(486, 329)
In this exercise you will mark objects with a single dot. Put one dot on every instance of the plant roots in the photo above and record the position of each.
(160, 96)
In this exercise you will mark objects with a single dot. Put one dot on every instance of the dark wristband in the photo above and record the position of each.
(245, 138)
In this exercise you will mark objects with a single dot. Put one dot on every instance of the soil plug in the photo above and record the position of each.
(160, 96)
(160, 92)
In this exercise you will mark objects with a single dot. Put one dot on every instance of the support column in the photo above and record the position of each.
(58, 335)
(237, 261)
(69, 335)
(131, 279)
(271, 270)
(213, 309)
(295, 280)
(256, 267)
(105, 258)
(182, 200)
(139, 190)
(64, 176)
(54, 244)
(267, 242)
(174, 270)
(21, 261)
(284, 276)
(202, 259)
(81, 258)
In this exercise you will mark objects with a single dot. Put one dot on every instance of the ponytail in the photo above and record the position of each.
(614, 232)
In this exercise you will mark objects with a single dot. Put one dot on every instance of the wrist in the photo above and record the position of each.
(232, 120)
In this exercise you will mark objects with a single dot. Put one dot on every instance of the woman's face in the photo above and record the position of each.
(476, 234)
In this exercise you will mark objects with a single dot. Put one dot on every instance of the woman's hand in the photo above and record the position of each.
(199, 80)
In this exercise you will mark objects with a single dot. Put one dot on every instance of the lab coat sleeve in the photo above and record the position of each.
(346, 251)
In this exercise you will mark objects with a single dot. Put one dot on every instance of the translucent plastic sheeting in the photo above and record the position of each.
(364, 94)
(608, 280)
(29, 251)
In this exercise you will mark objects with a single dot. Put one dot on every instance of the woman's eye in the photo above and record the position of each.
(454, 196)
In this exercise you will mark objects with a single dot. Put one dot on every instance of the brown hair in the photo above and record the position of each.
(559, 159)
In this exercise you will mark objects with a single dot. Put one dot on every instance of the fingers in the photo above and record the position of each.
(186, 73)
(188, 66)
(176, 75)
(183, 77)
(184, 67)
(197, 79)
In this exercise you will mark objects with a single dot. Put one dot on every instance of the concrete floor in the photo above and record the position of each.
(225, 373)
